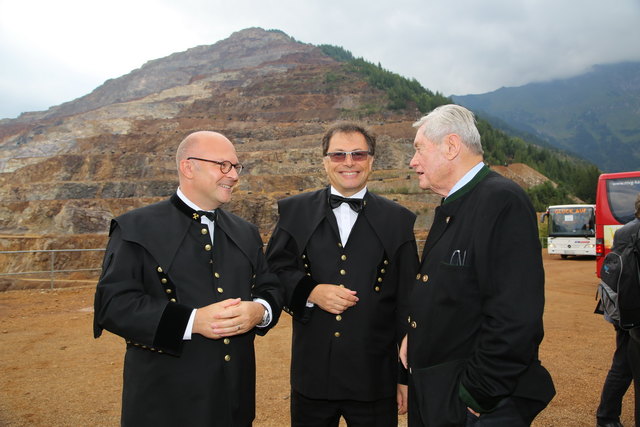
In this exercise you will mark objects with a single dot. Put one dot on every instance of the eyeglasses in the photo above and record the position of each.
(225, 166)
(341, 156)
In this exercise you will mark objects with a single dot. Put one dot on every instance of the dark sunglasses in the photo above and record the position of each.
(225, 166)
(341, 156)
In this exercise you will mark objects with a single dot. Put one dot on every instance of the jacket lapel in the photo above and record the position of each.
(240, 234)
(441, 221)
(380, 217)
(160, 228)
(301, 215)
(445, 213)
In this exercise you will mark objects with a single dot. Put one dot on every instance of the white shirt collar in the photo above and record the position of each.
(466, 178)
(359, 195)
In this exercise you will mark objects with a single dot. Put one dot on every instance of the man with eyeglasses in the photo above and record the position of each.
(186, 284)
(345, 258)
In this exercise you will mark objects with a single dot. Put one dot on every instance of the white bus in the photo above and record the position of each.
(571, 230)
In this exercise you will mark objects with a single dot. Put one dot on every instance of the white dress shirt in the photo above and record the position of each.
(345, 216)
(211, 225)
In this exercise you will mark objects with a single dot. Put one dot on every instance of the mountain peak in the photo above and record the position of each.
(243, 49)
(255, 33)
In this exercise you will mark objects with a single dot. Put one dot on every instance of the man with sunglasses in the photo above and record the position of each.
(186, 284)
(345, 258)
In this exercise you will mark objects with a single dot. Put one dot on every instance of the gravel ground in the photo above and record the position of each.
(53, 373)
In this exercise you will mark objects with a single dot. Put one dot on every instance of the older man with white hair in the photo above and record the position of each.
(475, 317)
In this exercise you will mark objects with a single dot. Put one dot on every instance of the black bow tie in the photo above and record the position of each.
(213, 216)
(355, 204)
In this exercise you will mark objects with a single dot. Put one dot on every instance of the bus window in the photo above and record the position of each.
(621, 194)
(571, 222)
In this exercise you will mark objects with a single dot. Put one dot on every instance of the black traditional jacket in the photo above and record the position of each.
(159, 266)
(352, 355)
(475, 321)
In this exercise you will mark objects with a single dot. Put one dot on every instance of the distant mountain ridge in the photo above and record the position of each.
(595, 116)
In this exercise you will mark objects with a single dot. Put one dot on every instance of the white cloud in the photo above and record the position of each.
(55, 51)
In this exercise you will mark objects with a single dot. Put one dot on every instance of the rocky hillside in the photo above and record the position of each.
(65, 172)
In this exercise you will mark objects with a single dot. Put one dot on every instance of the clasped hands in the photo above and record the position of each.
(227, 318)
(333, 298)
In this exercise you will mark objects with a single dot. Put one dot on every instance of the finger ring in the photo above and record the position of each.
(237, 327)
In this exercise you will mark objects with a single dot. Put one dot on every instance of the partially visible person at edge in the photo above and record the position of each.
(475, 317)
(346, 258)
(186, 284)
(625, 365)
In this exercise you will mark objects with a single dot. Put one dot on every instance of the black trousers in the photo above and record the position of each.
(617, 381)
(633, 353)
(306, 412)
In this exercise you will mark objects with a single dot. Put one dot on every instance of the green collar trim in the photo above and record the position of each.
(482, 173)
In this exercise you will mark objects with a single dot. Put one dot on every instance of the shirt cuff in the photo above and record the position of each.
(266, 319)
(189, 328)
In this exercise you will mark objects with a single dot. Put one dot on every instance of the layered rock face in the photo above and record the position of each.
(65, 172)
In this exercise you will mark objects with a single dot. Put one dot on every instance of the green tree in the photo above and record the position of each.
(547, 194)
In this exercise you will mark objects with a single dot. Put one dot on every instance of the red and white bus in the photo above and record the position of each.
(571, 230)
(615, 206)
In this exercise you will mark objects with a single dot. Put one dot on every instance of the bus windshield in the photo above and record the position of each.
(571, 221)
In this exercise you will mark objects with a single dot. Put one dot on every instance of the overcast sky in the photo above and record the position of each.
(53, 51)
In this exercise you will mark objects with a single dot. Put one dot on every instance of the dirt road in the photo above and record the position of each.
(53, 373)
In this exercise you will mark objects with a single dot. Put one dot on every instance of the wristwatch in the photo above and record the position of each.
(265, 318)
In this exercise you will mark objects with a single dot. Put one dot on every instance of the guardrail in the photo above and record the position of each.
(52, 258)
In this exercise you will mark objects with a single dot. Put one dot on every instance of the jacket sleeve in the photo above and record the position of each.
(407, 265)
(284, 260)
(267, 286)
(511, 281)
(124, 306)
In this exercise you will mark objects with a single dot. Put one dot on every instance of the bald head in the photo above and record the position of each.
(191, 144)
(200, 174)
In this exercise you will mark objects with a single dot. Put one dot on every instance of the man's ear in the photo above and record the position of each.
(325, 163)
(186, 168)
(453, 146)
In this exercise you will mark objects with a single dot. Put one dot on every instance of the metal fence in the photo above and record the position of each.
(51, 271)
